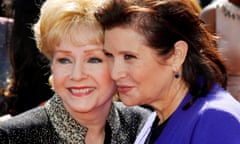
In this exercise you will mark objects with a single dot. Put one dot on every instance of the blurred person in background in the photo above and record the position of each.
(204, 3)
(195, 5)
(6, 24)
(27, 84)
(222, 18)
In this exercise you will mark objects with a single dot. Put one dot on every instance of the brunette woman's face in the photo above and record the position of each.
(81, 77)
(141, 75)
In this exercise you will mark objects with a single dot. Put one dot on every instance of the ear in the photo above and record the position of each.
(179, 54)
(50, 79)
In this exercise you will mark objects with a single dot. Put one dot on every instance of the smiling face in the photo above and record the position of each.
(142, 77)
(81, 77)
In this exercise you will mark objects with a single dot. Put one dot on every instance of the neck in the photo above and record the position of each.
(94, 117)
(96, 128)
(172, 101)
(94, 121)
(95, 135)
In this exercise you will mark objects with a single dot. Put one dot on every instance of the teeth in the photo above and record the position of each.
(85, 90)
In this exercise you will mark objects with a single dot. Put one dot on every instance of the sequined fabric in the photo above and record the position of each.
(68, 129)
(52, 124)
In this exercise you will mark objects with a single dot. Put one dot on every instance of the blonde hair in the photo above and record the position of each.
(195, 5)
(61, 19)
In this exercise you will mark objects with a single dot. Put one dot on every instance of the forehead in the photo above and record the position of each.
(83, 35)
(122, 36)
(127, 41)
(78, 51)
(68, 44)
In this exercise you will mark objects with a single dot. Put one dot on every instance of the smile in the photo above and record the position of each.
(82, 91)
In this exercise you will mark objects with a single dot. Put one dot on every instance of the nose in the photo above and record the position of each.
(78, 72)
(118, 71)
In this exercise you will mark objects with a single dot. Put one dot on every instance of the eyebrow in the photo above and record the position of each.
(122, 52)
(62, 51)
(91, 50)
(104, 50)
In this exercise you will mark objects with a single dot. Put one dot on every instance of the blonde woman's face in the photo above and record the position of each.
(81, 77)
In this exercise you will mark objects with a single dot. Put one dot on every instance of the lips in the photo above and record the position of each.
(81, 91)
(124, 88)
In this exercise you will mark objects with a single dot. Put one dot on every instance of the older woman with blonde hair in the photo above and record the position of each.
(82, 110)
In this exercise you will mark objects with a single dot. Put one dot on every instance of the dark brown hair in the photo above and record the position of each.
(163, 23)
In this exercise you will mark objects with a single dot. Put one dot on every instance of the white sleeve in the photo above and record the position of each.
(142, 136)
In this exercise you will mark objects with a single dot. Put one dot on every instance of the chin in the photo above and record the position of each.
(129, 103)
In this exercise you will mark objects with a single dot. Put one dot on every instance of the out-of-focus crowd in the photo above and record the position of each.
(24, 70)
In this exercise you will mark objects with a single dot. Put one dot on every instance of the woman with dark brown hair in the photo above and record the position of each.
(163, 57)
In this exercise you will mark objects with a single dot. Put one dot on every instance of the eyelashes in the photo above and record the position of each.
(109, 55)
(129, 57)
(64, 61)
(95, 60)
(125, 56)
(89, 60)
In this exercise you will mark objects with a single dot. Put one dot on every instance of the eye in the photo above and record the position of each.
(107, 54)
(95, 60)
(64, 60)
(128, 57)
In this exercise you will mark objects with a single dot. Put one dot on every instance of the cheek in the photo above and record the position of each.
(152, 78)
(59, 76)
(104, 75)
(139, 73)
(160, 81)
(104, 78)
(58, 80)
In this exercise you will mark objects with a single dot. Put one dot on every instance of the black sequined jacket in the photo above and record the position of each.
(52, 124)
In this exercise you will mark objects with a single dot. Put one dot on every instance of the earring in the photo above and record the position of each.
(176, 75)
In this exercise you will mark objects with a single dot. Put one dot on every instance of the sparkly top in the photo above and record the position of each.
(52, 124)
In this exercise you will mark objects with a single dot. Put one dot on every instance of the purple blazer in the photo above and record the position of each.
(214, 119)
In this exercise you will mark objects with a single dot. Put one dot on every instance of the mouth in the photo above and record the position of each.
(124, 89)
(81, 91)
